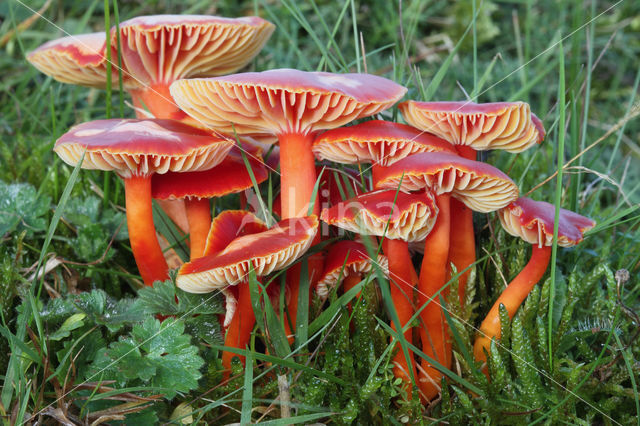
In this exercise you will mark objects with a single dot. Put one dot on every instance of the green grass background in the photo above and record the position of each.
(570, 356)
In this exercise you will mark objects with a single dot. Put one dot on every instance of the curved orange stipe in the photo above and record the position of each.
(533, 221)
(512, 297)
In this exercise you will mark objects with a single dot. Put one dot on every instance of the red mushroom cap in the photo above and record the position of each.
(141, 147)
(228, 177)
(79, 59)
(229, 225)
(533, 222)
(164, 48)
(345, 258)
(408, 217)
(376, 141)
(284, 100)
(500, 125)
(266, 251)
(478, 185)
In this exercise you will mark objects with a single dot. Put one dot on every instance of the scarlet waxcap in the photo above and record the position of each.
(346, 258)
(79, 59)
(501, 125)
(284, 100)
(407, 217)
(141, 147)
(266, 252)
(533, 222)
(228, 177)
(164, 48)
(226, 227)
(480, 186)
(376, 141)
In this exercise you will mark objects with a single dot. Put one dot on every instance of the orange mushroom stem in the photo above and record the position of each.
(298, 177)
(534, 222)
(375, 172)
(239, 331)
(157, 100)
(433, 276)
(462, 249)
(512, 297)
(462, 244)
(350, 281)
(142, 234)
(399, 217)
(199, 217)
(298, 174)
(448, 176)
(401, 284)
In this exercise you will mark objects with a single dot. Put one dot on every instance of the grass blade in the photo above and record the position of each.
(558, 197)
(247, 394)
(302, 320)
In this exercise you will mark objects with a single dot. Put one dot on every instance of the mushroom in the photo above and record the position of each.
(264, 252)
(196, 188)
(473, 127)
(155, 51)
(293, 105)
(533, 221)
(79, 59)
(135, 150)
(510, 126)
(480, 187)
(347, 260)
(159, 49)
(399, 217)
(379, 142)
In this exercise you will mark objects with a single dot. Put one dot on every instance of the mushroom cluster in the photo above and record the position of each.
(425, 182)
